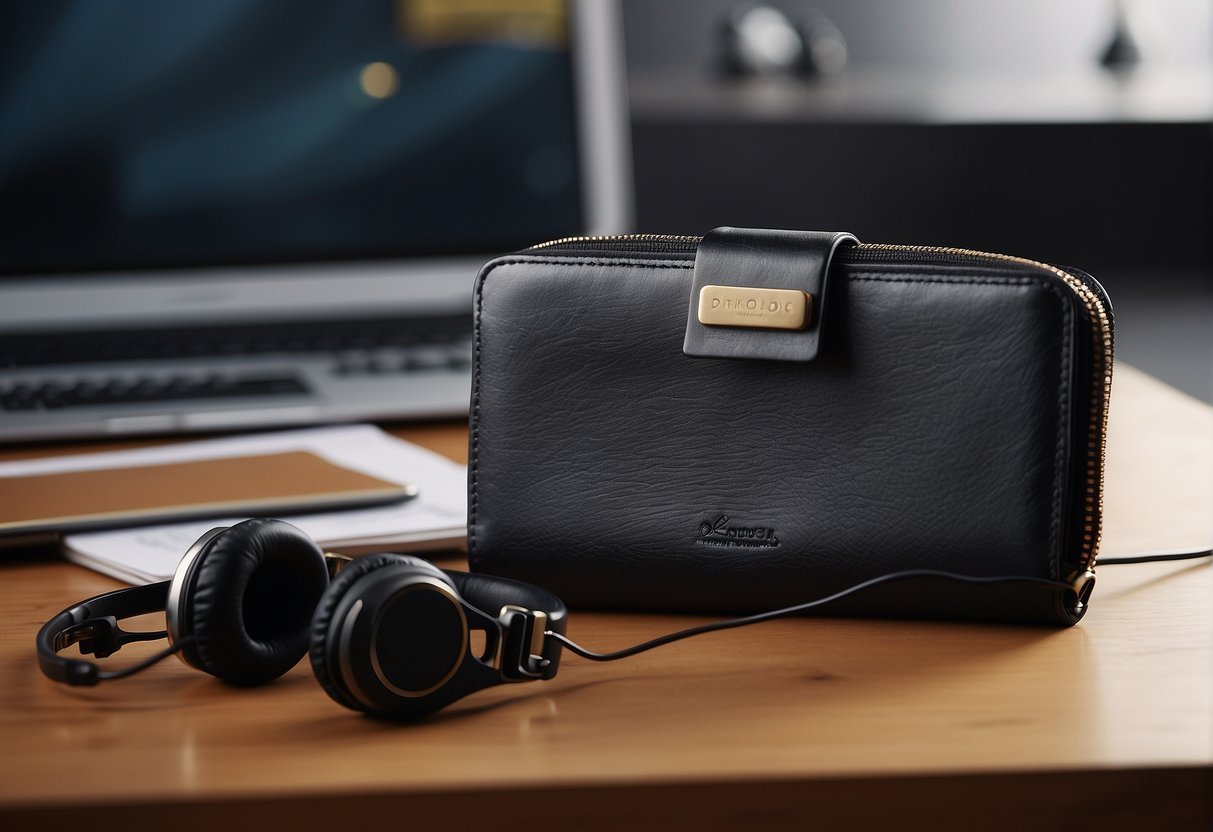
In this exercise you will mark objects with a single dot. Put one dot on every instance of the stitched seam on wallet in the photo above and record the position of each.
(1063, 388)
(473, 467)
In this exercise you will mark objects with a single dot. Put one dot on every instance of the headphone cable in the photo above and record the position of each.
(1172, 554)
(892, 576)
(786, 611)
(146, 663)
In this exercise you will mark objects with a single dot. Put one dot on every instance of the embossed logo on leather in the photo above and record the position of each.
(720, 532)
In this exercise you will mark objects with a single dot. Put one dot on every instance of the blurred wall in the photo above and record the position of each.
(676, 36)
(984, 123)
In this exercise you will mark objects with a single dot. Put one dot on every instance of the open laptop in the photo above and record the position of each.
(220, 216)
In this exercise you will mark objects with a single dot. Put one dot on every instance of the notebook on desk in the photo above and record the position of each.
(351, 459)
(272, 214)
(141, 495)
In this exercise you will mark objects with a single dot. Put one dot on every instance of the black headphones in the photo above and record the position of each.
(387, 634)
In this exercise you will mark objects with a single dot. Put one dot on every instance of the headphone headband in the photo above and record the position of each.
(93, 624)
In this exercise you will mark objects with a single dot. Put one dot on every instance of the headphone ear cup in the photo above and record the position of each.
(250, 601)
(323, 618)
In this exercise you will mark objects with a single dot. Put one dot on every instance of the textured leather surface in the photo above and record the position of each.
(933, 432)
(768, 259)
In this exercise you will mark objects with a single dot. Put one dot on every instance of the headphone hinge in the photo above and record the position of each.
(522, 643)
(75, 633)
(334, 563)
(100, 637)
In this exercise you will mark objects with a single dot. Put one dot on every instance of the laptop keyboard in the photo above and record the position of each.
(358, 347)
(336, 337)
(54, 396)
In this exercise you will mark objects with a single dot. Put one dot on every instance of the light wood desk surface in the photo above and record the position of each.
(804, 723)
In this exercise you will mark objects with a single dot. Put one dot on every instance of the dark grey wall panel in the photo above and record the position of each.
(1123, 196)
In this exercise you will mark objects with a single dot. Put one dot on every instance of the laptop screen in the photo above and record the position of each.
(144, 135)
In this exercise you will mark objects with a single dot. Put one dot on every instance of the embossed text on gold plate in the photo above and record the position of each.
(754, 307)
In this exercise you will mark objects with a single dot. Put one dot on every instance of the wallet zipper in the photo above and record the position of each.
(647, 243)
(1097, 312)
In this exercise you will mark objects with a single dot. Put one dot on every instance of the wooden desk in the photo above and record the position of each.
(797, 723)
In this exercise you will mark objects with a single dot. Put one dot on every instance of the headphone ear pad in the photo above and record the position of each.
(323, 617)
(251, 601)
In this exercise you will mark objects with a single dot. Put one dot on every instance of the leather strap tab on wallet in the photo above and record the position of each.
(760, 294)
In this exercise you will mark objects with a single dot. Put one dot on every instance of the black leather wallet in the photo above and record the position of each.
(755, 418)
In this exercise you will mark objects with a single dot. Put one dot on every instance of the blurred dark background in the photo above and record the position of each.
(1078, 133)
(176, 135)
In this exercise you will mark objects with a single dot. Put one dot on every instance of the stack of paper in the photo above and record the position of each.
(436, 519)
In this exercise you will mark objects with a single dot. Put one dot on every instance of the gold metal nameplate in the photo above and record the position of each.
(754, 307)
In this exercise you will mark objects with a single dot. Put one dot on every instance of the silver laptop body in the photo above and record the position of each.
(100, 350)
